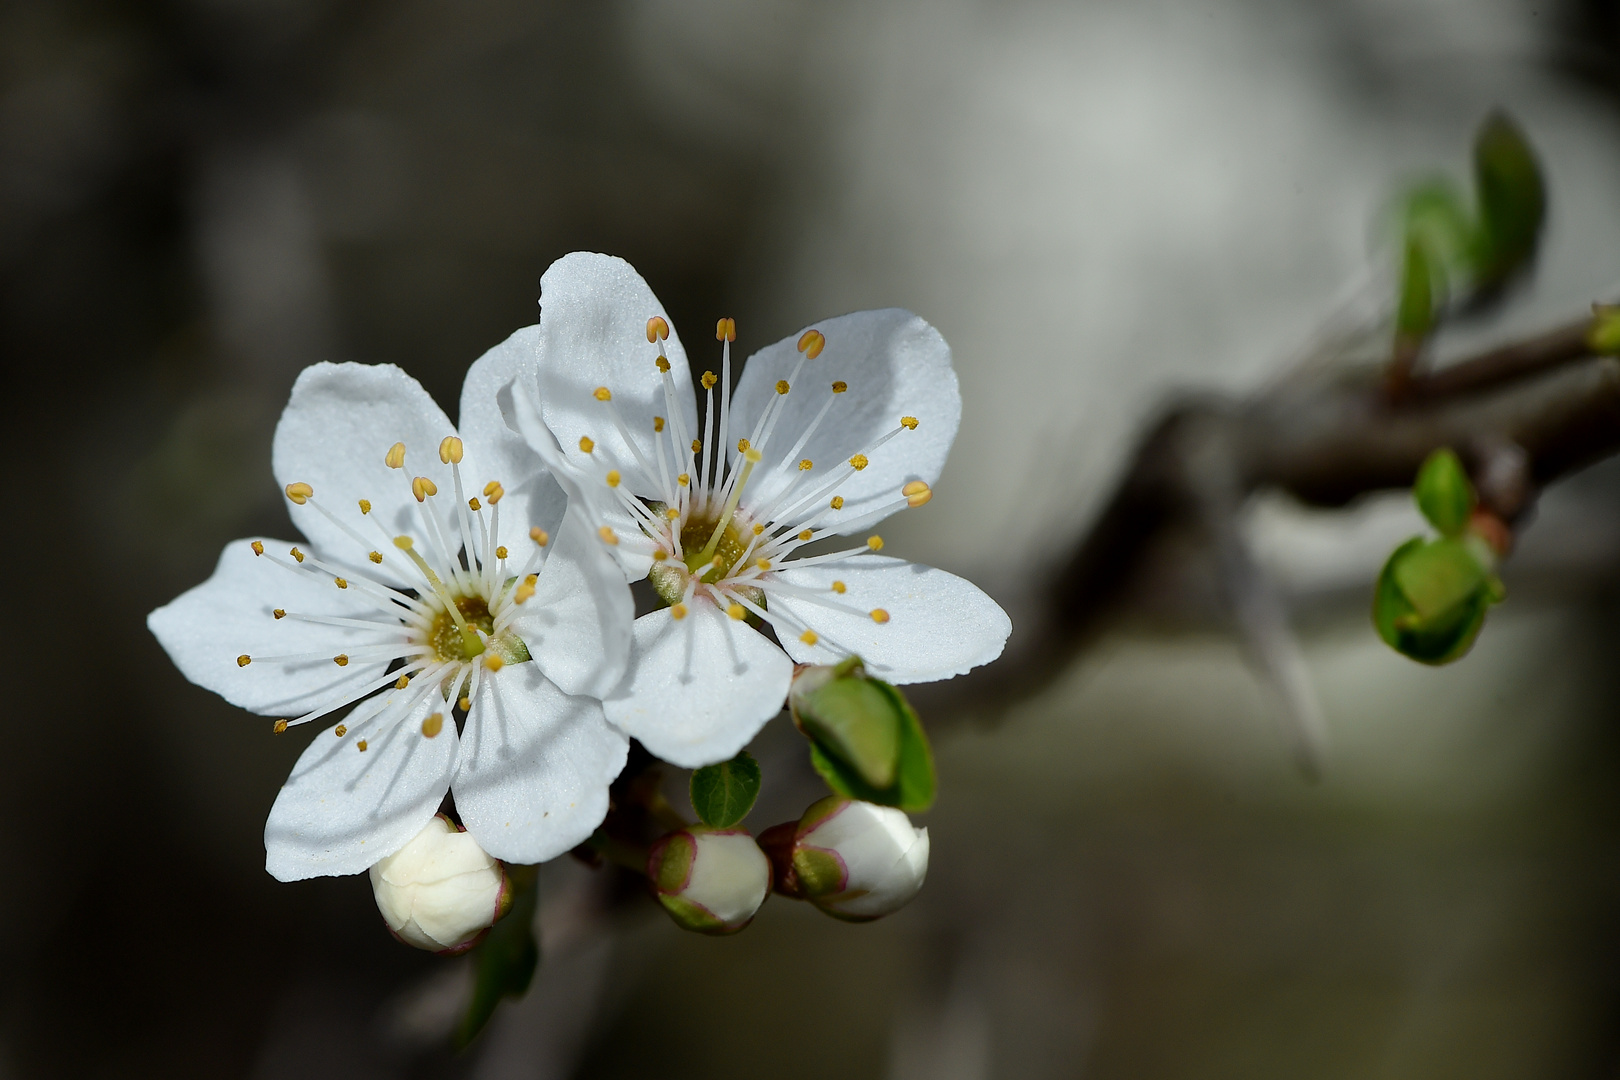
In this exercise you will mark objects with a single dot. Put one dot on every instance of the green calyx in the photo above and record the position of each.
(819, 871)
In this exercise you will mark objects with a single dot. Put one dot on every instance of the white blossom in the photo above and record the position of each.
(857, 860)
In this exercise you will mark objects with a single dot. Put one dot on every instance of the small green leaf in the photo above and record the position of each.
(856, 721)
(504, 964)
(723, 794)
(1603, 337)
(914, 784)
(1450, 631)
(1438, 576)
(1444, 493)
(1434, 214)
(1414, 316)
(1512, 198)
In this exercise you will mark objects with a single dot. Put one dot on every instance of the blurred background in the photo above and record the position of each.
(1098, 204)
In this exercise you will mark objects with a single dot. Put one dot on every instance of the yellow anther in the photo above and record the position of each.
(361, 746)
(422, 487)
(365, 506)
(525, 590)
(909, 423)
(663, 364)
(708, 380)
(341, 659)
(742, 446)
(493, 661)
(751, 454)
(341, 730)
(811, 342)
(677, 611)
(658, 424)
(244, 660)
(375, 556)
(672, 514)
(875, 543)
(608, 536)
(660, 555)
(450, 451)
(657, 329)
(683, 479)
(586, 443)
(493, 492)
(917, 493)
(859, 462)
(840, 386)
(806, 534)
(603, 394)
(806, 465)
(759, 528)
(837, 502)
(782, 386)
(809, 637)
(839, 587)
(280, 613)
(500, 552)
(340, 583)
(464, 702)
(402, 682)
(763, 564)
(539, 536)
(279, 727)
(697, 444)
(433, 725)
(879, 615)
(737, 611)
(258, 548)
(299, 492)
(474, 505)
(725, 330)
(297, 555)
(613, 478)
(395, 458)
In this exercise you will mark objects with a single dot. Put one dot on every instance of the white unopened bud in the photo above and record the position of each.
(857, 860)
(441, 891)
(709, 880)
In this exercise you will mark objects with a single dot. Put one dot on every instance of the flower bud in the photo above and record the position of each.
(709, 880)
(857, 860)
(441, 892)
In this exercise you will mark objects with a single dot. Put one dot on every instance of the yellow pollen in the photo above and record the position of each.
(811, 342)
(806, 534)
(525, 590)
(500, 552)
(603, 394)
(493, 661)
(725, 330)
(879, 615)
(341, 730)
(809, 637)
(708, 380)
(909, 423)
(464, 703)
(279, 727)
(365, 506)
(917, 493)
(782, 386)
(298, 493)
(839, 587)
(341, 659)
(657, 329)
(450, 451)
(660, 555)
(859, 462)
(422, 487)
(663, 364)
(840, 386)
(586, 444)
(613, 478)
(395, 458)
(736, 611)
(683, 479)
(402, 682)
(375, 556)
(296, 554)
(280, 613)
(433, 725)
(361, 746)
(837, 502)
(742, 446)
(672, 514)
(763, 564)
(473, 504)
(875, 543)
(539, 536)
(677, 611)
(697, 444)
(244, 660)
(608, 536)
(806, 465)
(759, 529)
(340, 583)
(258, 548)
(658, 423)
(493, 492)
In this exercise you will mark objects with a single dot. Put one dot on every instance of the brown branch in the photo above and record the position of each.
(1519, 360)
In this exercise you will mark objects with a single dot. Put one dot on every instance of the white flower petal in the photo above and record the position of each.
(335, 434)
(593, 333)
(939, 625)
(535, 766)
(206, 630)
(895, 365)
(577, 625)
(699, 688)
(343, 809)
(532, 498)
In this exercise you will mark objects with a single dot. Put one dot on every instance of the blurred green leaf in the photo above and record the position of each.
(1451, 627)
(723, 794)
(1435, 214)
(1512, 198)
(504, 964)
(1444, 492)
(1414, 315)
(914, 783)
(1604, 336)
(856, 721)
